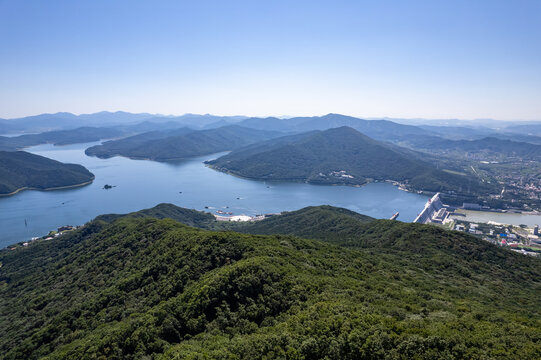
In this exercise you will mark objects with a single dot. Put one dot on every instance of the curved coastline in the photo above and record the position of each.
(228, 172)
(50, 189)
(392, 182)
(160, 160)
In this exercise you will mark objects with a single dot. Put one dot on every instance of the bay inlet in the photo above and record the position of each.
(140, 184)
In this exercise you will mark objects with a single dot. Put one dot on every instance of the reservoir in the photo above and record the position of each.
(503, 218)
(141, 184)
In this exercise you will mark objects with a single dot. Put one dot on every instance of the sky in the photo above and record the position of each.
(381, 58)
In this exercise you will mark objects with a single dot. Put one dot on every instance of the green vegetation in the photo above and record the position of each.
(339, 156)
(131, 288)
(188, 217)
(181, 144)
(324, 222)
(19, 170)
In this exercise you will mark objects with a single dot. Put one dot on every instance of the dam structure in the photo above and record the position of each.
(433, 212)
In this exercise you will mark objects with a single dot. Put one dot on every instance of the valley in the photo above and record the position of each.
(270, 180)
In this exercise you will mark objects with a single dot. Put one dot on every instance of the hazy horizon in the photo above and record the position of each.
(420, 59)
(272, 115)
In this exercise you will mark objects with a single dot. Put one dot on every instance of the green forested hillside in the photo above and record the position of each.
(188, 217)
(324, 222)
(19, 169)
(169, 146)
(340, 156)
(149, 288)
(121, 146)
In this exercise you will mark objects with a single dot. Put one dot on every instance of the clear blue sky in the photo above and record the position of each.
(432, 59)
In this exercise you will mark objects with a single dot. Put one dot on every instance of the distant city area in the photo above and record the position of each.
(521, 238)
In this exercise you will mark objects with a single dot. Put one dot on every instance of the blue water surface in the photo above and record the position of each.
(142, 184)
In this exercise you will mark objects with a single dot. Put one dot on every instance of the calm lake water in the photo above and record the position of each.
(142, 184)
(502, 218)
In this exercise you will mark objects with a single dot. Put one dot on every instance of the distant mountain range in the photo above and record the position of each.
(385, 129)
(376, 129)
(59, 137)
(324, 283)
(143, 136)
(181, 143)
(20, 170)
(65, 121)
(338, 156)
(526, 129)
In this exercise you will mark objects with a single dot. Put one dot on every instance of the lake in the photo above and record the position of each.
(503, 218)
(141, 184)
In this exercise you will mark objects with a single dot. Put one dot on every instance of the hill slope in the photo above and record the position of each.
(188, 217)
(139, 288)
(338, 156)
(312, 222)
(161, 146)
(482, 148)
(19, 170)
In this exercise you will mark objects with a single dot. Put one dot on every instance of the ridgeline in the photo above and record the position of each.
(131, 287)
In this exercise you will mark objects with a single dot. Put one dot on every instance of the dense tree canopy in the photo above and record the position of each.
(20, 169)
(140, 287)
(339, 156)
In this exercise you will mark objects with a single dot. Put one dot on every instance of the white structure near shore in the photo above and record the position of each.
(239, 218)
(433, 212)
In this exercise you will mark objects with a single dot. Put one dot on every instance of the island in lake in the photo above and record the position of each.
(20, 170)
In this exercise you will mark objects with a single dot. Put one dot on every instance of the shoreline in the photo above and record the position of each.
(391, 182)
(172, 160)
(49, 189)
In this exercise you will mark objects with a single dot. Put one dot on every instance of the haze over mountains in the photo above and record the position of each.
(375, 128)
(59, 137)
(64, 121)
(182, 143)
(486, 146)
